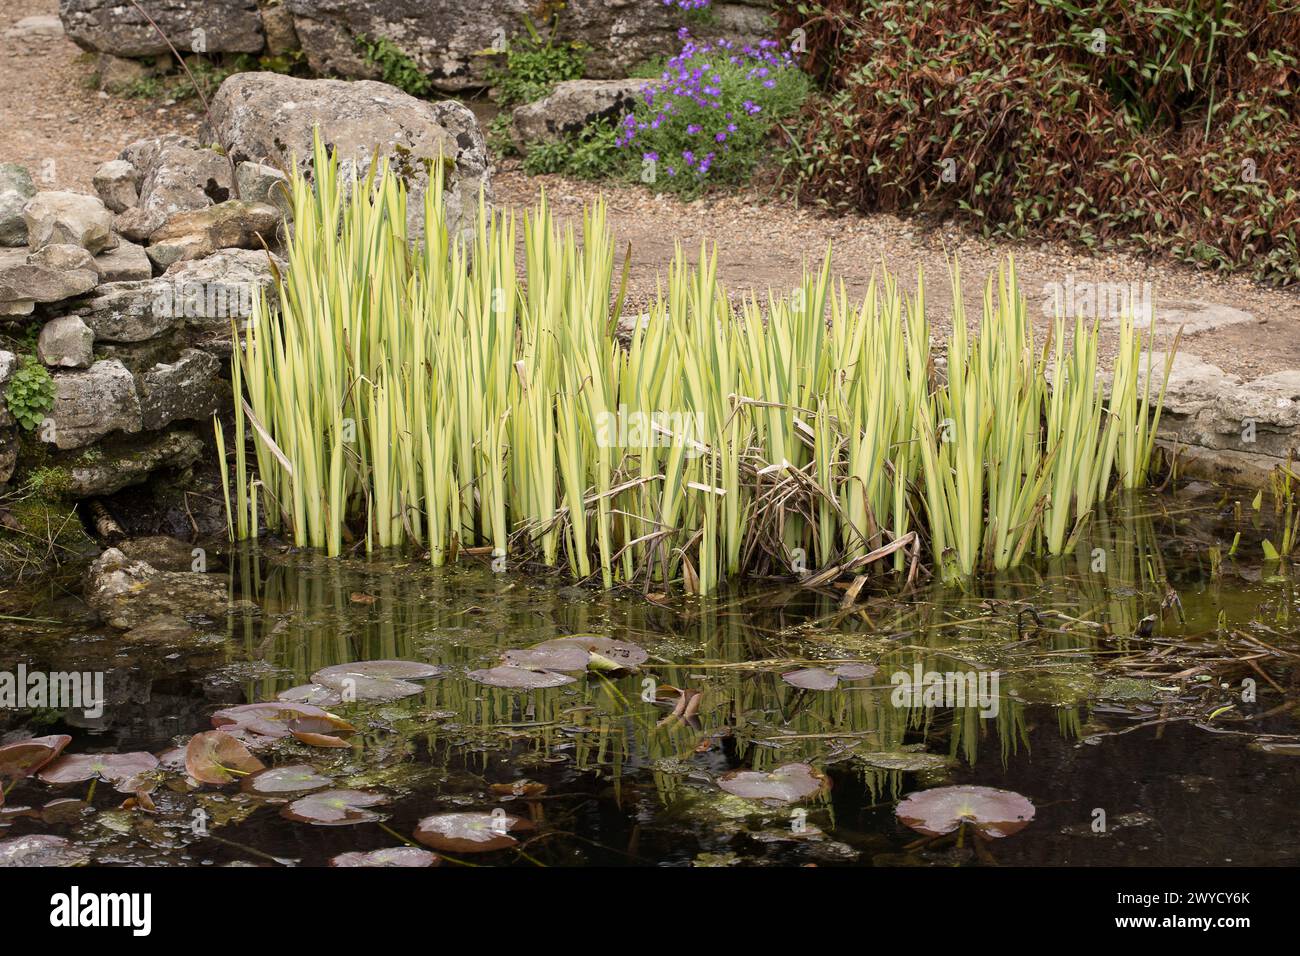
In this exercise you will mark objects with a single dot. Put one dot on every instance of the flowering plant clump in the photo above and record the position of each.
(705, 118)
(687, 4)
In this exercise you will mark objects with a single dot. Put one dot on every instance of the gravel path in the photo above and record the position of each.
(59, 126)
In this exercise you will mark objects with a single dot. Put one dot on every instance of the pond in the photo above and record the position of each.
(1139, 693)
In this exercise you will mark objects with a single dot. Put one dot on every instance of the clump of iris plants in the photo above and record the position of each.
(704, 120)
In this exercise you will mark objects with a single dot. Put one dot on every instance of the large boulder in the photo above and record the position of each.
(270, 118)
(16, 189)
(199, 26)
(447, 38)
(571, 106)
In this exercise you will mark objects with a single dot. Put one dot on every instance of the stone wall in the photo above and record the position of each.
(131, 298)
(453, 41)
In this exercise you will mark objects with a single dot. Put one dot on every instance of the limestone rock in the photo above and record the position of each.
(212, 294)
(51, 274)
(90, 404)
(130, 461)
(16, 189)
(128, 594)
(118, 74)
(270, 118)
(40, 27)
(264, 184)
(233, 224)
(183, 178)
(178, 390)
(199, 26)
(127, 263)
(64, 217)
(118, 184)
(66, 342)
(138, 224)
(572, 105)
(129, 311)
(446, 38)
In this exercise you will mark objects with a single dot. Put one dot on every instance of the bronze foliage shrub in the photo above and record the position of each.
(1174, 130)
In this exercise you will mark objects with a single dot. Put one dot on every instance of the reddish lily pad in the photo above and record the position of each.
(470, 832)
(319, 740)
(120, 770)
(39, 849)
(279, 719)
(218, 758)
(786, 784)
(519, 678)
(334, 808)
(389, 856)
(25, 757)
(992, 812)
(67, 810)
(292, 778)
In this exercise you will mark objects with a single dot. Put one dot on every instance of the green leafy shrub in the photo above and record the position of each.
(30, 393)
(396, 67)
(533, 65)
(1175, 130)
(592, 153)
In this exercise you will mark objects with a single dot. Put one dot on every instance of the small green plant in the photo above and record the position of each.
(30, 393)
(395, 66)
(592, 153)
(1286, 488)
(534, 64)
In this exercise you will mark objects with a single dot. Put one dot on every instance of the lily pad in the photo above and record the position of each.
(120, 770)
(319, 740)
(993, 812)
(335, 808)
(316, 694)
(855, 671)
(389, 856)
(519, 678)
(621, 653)
(25, 757)
(904, 760)
(279, 719)
(811, 678)
(470, 832)
(378, 681)
(550, 656)
(786, 784)
(289, 778)
(218, 758)
(40, 849)
(392, 670)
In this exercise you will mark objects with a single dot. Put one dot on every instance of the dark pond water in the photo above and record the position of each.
(1094, 715)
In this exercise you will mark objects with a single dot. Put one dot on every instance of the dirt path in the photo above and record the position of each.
(55, 123)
